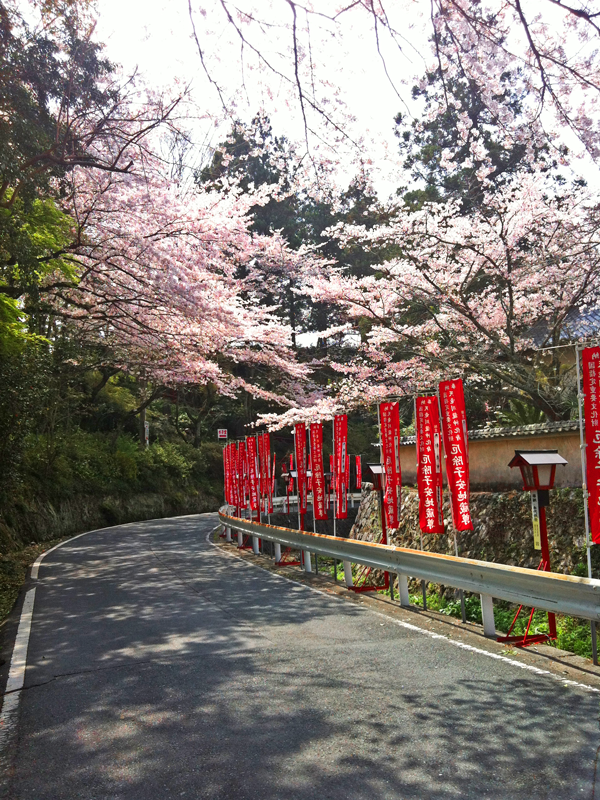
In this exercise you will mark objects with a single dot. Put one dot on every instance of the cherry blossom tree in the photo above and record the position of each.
(157, 281)
(128, 260)
(481, 295)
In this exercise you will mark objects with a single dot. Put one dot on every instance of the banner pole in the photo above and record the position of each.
(586, 512)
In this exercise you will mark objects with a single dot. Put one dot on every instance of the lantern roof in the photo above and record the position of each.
(536, 458)
(376, 469)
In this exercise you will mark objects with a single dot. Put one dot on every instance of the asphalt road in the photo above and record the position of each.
(161, 667)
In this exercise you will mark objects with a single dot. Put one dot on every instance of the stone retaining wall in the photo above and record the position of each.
(502, 529)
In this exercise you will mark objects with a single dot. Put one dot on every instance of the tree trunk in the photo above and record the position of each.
(143, 426)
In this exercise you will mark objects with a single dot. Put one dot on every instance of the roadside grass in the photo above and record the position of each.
(574, 634)
(13, 570)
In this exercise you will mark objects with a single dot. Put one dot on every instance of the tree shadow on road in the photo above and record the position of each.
(198, 677)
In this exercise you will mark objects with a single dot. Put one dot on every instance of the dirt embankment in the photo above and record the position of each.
(24, 523)
(27, 528)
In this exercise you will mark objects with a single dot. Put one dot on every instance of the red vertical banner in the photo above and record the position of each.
(268, 479)
(590, 363)
(226, 473)
(389, 418)
(429, 465)
(300, 448)
(289, 483)
(234, 474)
(231, 470)
(261, 468)
(340, 428)
(243, 468)
(318, 473)
(358, 473)
(245, 476)
(456, 451)
(252, 472)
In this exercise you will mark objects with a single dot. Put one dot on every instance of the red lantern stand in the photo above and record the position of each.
(538, 469)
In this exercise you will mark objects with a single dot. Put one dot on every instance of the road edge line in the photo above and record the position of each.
(18, 662)
(16, 674)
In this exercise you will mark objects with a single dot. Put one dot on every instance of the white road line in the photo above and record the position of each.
(16, 674)
(417, 629)
(36, 564)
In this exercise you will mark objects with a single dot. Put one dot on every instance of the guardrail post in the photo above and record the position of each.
(240, 539)
(403, 590)
(307, 562)
(255, 545)
(227, 534)
(487, 612)
(348, 573)
(277, 552)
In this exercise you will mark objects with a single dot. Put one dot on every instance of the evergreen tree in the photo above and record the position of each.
(460, 153)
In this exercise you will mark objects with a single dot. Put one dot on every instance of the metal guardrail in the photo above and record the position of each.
(564, 594)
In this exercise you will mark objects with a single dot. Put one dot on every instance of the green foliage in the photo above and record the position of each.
(423, 141)
(64, 465)
(573, 634)
(50, 76)
(23, 395)
(520, 412)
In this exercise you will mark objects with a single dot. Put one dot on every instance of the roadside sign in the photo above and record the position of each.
(222, 433)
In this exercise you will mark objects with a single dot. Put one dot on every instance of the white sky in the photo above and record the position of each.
(157, 37)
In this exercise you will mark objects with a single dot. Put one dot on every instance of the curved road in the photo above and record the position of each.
(161, 667)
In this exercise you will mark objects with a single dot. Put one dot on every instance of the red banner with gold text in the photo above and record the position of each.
(456, 451)
(389, 418)
(318, 473)
(429, 465)
(243, 478)
(300, 448)
(252, 472)
(590, 363)
(226, 474)
(261, 468)
(340, 432)
(268, 479)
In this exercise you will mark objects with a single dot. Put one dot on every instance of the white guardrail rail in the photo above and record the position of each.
(563, 594)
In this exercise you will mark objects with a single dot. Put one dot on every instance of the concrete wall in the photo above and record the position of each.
(488, 460)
